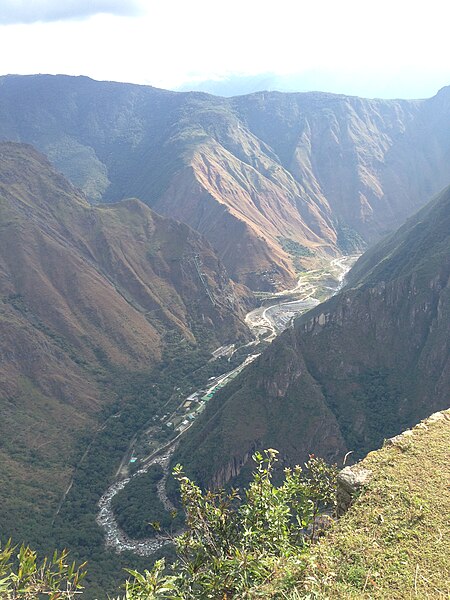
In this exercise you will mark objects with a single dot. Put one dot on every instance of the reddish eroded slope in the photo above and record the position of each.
(85, 291)
(277, 182)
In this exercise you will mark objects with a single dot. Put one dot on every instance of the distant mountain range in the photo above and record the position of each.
(361, 367)
(276, 182)
(411, 84)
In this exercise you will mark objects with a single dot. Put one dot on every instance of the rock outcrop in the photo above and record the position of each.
(350, 483)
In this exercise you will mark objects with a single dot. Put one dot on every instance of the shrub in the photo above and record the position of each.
(231, 547)
(23, 577)
(233, 544)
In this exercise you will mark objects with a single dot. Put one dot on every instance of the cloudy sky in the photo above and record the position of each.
(392, 48)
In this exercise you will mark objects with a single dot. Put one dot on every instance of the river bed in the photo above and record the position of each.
(265, 322)
(312, 288)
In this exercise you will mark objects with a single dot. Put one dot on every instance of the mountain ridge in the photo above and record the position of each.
(88, 296)
(328, 172)
(360, 367)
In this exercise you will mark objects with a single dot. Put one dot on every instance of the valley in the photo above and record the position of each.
(102, 309)
(266, 322)
(364, 365)
(178, 296)
(279, 309)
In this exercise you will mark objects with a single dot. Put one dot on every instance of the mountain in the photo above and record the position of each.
(276, 182)
(361, 367)
(88, 297)
(351, 83)
(246, 84)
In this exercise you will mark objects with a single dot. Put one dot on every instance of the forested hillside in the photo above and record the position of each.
(102, 311)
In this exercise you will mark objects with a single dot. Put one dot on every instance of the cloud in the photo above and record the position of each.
(13, 12)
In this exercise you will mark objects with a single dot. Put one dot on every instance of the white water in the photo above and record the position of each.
(265, 322)
(271, 320)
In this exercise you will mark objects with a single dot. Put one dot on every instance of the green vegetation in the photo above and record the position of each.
(295, 249)
(349, 241)
(17, 301)
(232, 543)
(21, 576)
(138, 509)
(81, 165)
(140, 397)
(394, 543)
(375, 393)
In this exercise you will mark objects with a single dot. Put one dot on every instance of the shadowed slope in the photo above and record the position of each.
(360, 367)
(254, 173)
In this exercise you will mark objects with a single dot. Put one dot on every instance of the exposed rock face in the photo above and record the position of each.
(85, 291)
(359, 368)
(230, 471)
(350, 482)
(258, 175)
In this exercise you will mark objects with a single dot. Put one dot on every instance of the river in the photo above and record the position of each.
(266, 322)
(312, 287)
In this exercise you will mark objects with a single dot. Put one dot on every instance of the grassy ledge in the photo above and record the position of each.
(394, 542)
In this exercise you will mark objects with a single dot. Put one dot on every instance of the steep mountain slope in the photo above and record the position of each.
(86, 293)
(360, 367)
(275, 181)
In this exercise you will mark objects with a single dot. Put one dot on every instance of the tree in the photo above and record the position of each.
(231, 546)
